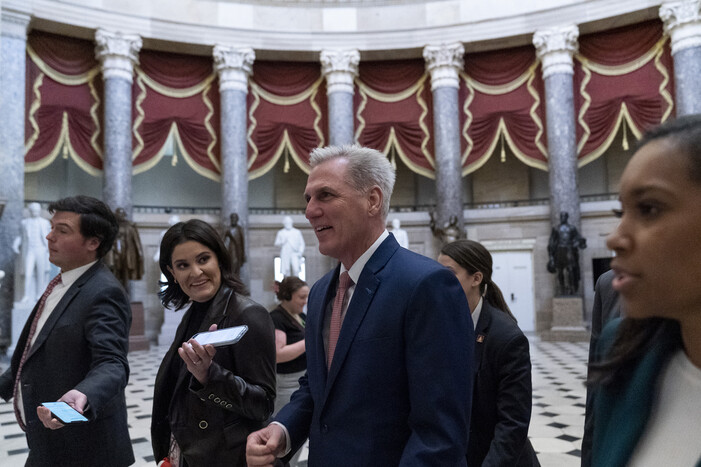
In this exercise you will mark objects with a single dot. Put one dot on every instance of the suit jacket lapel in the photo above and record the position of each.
(482, 333)
(360, 303)
(62, 306)
(316, 312)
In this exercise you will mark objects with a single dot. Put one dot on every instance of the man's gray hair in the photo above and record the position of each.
(366, 168)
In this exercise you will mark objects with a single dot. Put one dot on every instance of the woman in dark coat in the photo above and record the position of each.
(206, 399)
(501, 401)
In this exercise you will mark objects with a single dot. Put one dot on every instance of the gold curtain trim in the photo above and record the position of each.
(140, 115)
(359, 113)
(618, 70)
(536, 119)
(466, 126)
(151, 163)
(286, 100)
(518, 153)
(663, 86)
(392, 141)
(623, 114)
(174, 92)
(422, 123)
(68, 80)
(193, 165)
(394, 97)
(284, 144)
(496, 90)
(210, 129)
(251, 128)
(96, 119)
(583, 110)
(36, 104)
(317, 126)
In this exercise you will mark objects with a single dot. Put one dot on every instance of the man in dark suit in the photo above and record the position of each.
(74, 347)
(394, 385)
(606, 308)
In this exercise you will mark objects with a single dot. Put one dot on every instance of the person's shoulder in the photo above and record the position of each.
(502, 327)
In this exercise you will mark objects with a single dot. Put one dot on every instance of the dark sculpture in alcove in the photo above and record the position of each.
(563, 255)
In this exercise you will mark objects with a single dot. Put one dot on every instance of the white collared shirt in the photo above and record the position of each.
(476, 313)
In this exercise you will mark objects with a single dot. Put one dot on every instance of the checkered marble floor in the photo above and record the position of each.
(559, 370)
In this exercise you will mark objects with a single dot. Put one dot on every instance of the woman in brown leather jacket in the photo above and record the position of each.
(207, 400)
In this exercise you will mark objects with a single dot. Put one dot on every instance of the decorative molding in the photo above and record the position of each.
(15, 24)
(444, 62)
(555, 47)
(339, 67)
(118, 53)
(233, 65)
(682, 22)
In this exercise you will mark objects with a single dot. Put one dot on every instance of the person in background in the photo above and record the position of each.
(647, 385)
(74, 347)
(206, 400)
(289, 318)
(389, 338)
(501, 401)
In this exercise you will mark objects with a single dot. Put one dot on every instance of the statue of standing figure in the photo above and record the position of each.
(126, 258)
(563, 255)
(400, 234)
(33, 247)
(291, 245)
(234, 242)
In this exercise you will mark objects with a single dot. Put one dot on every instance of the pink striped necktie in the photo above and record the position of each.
(335, 327)
(32, 330)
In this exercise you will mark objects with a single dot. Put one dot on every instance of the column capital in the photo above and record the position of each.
(555, 47)
(14, 23)
(444, 62)
(339, 67)
(118, 53)
(233, 65)
(682, 22)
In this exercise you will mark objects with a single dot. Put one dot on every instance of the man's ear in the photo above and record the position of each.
(375, 201)
(92, 244)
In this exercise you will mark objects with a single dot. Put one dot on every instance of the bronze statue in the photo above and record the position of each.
(126, 258)
(563, 255)
(234, 242)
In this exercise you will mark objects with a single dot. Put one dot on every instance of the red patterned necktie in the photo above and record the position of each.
(335, 327)
(32, 329)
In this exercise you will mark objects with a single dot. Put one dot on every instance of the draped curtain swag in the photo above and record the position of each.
(63, 103)
(502, 101)
(393, 110)
(286, 114)
(622, 78)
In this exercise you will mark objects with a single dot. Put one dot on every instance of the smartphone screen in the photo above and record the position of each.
(221, 337)
(64, 412)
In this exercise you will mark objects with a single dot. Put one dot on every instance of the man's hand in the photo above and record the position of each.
(74, 398)
(264, 445)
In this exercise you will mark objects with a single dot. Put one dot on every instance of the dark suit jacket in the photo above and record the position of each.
(622, 410)
(400, 385)
(237, 399)
(83, 345)
(606, 308)
(501, 404)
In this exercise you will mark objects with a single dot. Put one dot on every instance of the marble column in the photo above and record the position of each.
(340, 67)
(682, 22)
(234, 66)
(118, 53)
(13, 47)
(555, 47)
(444, 62)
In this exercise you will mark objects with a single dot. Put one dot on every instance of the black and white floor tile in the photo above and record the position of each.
(559, 370)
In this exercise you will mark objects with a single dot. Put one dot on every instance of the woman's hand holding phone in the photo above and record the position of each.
(198, 358)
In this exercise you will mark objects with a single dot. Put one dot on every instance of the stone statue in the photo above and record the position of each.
(400, 234)
(33, 247)
(450, 230)
(563, 255)
(126, 258)
(291, 245)
(235, 243)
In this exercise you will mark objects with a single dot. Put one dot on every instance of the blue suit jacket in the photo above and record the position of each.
(399, 389)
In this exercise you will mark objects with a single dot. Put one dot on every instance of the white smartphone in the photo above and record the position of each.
(64, 412)
(221, 337)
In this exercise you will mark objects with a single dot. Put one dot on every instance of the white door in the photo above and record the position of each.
(513, 273)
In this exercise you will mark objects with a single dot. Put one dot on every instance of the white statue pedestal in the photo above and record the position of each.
(171, 321)
(20, 314)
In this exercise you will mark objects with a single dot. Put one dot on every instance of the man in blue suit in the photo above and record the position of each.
(394, 386)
